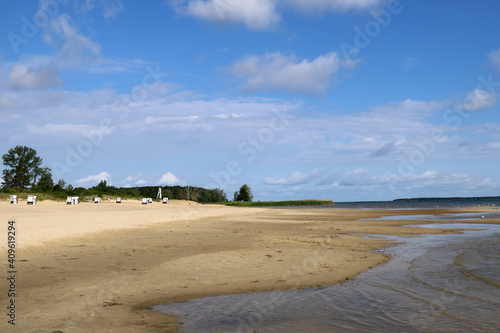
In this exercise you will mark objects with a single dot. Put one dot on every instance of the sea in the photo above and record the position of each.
(431, 203)
(433, 283)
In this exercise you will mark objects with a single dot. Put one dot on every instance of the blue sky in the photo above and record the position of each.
(329, 99)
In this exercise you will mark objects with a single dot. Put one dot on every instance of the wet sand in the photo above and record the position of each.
(98, 267)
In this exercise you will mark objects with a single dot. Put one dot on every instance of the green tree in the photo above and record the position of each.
(220, 196)
(102, 187)
(45, 183)
(60, 186)
(236, 196)
(245, 193)
(22, 167)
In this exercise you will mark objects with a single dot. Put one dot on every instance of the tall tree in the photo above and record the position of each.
(22, 167)
(45, 183)
(245, 193)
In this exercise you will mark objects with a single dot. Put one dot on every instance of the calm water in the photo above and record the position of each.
(437, 283)
(464, 202)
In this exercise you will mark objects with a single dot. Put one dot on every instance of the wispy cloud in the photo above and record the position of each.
(73, 48)
(136, 180)
(61, 130)
(93, 180)
(494, 57)
(410, 63)
(321, 6)
(355, 177)
(386, 149)
(109, 8)
(295, 178)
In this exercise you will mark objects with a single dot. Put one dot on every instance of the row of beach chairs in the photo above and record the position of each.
(31, 200)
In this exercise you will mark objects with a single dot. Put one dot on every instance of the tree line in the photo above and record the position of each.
(24, 172)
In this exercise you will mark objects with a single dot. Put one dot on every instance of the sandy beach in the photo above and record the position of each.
(98, 267)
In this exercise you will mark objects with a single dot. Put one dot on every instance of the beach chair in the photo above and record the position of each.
(165, 200)
(97, 200)
(118, 200)
(31, 200)
(145, 201)
(13, 199)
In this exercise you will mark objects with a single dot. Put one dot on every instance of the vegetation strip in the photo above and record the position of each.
(288, 203)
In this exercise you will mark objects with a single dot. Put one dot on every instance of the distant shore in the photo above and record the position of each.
(98, 267)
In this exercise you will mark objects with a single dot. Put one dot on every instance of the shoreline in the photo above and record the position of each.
(106, 279)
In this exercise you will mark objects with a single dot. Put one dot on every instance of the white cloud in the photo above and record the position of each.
(411, 108)
(22, 77)
(276, 71)
(447, 182)
(169, 179)
(264, 14)
(355, 177)
(93, 180)
(127, 180)
(479, 99)
(133, 179)
(255, 14)
(295, 178)
(494, 57)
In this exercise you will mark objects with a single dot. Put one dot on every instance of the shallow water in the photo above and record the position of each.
(436, 283)
(446, 217)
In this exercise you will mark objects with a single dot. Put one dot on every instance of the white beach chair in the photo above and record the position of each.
(31, 200)
(13, 199)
